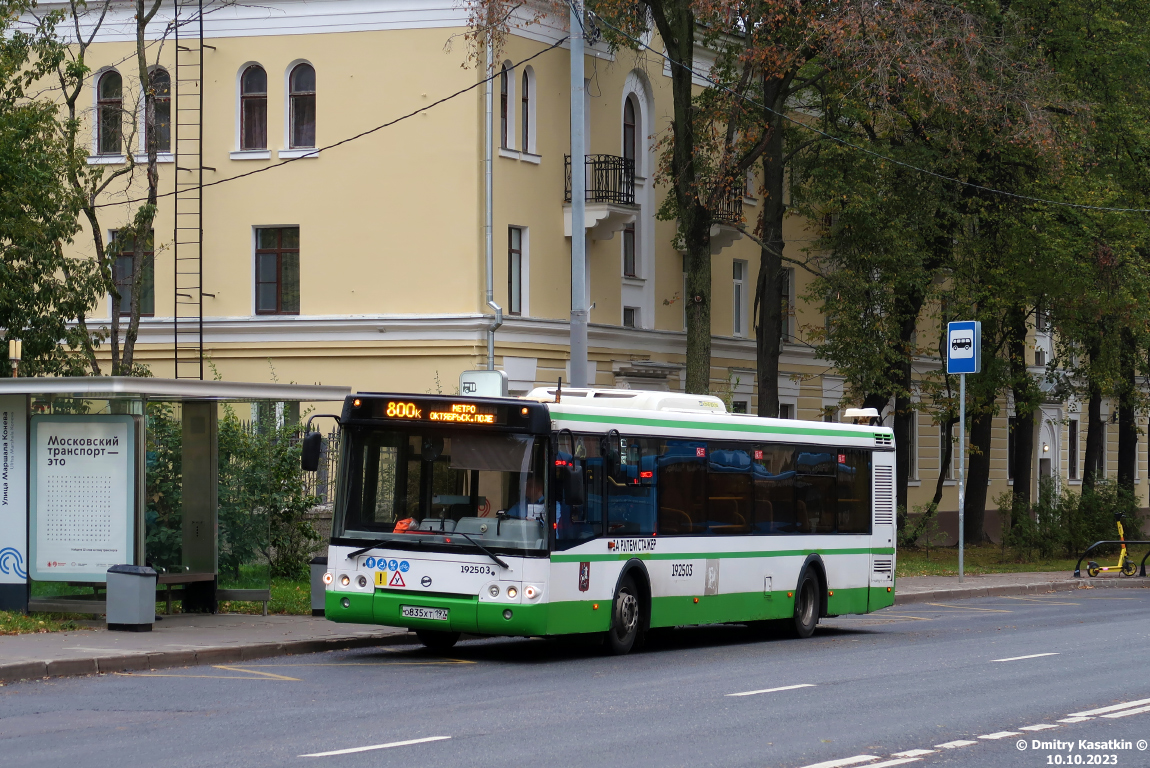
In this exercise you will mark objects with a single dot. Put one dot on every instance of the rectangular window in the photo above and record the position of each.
(578, 523)
(683, 487)
(629, 251)
(738, 406)
(786, 305)
(1011, 423)
(854, 491)
(945, 439)
(686, 269)
(1072, 449)
(124, 248)
(816, 476)
(630, 317)
(739, 277)
(729, 490)
(786, 411)
(1102, 457)
(277, 271)
(631, 490)
(912, 447)
(514, 270)
(774, 474)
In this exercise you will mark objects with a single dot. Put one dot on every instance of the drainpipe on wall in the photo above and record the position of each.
(488, 197)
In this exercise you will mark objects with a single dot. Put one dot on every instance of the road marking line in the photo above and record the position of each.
(1039, 727)
(970, 608)
(1126, 712)
(955, 744)
(372, 663)
(775, 690)
(843, 762)
(914, 753)
(1075, 719)
(1000, 735)
(377, 746)
(1031, 656)
(1102, 710)
(256, 672)
(213, 677)
(889, 763)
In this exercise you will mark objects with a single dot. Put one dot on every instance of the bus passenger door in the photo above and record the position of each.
(882, 533)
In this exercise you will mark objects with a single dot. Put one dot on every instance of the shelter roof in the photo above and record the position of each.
(127, 387)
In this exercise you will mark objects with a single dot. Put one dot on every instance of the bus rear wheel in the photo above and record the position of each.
(806, 606)
(437, 640)
(625, 618)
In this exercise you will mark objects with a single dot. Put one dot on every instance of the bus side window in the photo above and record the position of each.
(631, 489)
(815, 489)
(854, 491)
(575, 525)
(774, 474)
(682, 477)
(729, 491)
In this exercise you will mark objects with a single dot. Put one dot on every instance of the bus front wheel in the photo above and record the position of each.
(437, 640)
(807, 606)
(625, 618)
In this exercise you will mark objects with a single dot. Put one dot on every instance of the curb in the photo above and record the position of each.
(1042, 587)
(126, 662)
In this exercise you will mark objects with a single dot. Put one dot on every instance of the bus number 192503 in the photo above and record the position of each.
(483, 570)
(682, 570)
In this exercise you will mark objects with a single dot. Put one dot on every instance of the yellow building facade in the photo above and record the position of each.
(335, 250)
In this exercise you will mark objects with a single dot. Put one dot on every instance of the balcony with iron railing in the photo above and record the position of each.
(609, 203)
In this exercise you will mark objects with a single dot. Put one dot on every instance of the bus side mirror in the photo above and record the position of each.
(309, 455)
(571, 479)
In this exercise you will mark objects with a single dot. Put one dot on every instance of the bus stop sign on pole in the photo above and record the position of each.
(963, 356)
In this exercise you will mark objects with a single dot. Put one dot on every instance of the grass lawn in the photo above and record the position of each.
(16, 623)
(982, 558)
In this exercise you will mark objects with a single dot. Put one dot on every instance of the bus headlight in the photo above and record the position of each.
(493, 590)
(328, 578)
(512, 592)
(345, 580)
(361, 581)
(531, 593)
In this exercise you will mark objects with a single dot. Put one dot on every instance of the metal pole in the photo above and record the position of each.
(961, 472)
(579, 311)
(488, 204)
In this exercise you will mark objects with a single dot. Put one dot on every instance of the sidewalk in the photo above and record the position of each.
(182, 640)
(927, 589)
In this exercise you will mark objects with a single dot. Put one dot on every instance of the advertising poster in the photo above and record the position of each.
(13, 489)
(83, 496)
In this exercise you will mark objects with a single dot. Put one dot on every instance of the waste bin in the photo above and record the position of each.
(131, 598)
(318, 588)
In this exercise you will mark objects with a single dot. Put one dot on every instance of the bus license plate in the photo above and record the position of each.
(419, 612)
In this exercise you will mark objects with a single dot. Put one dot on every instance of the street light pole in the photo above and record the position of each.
(579, 311)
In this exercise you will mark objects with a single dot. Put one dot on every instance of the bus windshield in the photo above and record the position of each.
(426, 484)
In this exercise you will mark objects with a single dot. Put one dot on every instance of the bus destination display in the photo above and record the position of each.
(446, 413)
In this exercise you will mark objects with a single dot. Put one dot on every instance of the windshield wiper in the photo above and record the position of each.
(368, 548)
(486, 551)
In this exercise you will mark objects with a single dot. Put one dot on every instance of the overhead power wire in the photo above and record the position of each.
(969, 184)
(349, 139)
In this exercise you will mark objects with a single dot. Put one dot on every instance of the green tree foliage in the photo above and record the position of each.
(41, 289)
(163, 516)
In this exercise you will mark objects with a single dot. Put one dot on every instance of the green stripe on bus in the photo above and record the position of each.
(597, 558)
(639, 421)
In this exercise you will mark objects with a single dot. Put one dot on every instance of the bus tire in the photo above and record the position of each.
(626, 616)
(806, 605)
(437, 640)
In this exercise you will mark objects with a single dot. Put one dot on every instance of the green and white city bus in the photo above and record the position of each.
(603, 511)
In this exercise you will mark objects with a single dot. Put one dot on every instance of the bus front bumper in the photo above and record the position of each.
(464, 614)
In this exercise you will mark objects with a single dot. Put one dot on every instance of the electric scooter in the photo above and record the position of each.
(1126, 566)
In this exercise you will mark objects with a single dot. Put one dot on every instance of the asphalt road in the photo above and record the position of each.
(861, 691)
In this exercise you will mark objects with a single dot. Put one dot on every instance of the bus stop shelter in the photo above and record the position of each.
(102, 471)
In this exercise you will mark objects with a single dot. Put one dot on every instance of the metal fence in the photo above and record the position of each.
(321, 483)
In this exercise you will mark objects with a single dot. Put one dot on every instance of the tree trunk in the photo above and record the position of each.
(908, 305)
(1025, 402)
(978, 473)
(675, 22)
(947, 458)
(769, 290)
(1127, 428)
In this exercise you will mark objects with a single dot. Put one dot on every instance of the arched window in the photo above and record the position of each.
(504, 90)
(526, 113)
(161, 83)
(301, 84)
(109, 108)
(629, 128)
(254, 108)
